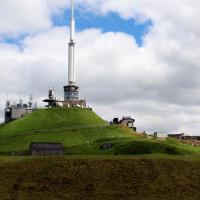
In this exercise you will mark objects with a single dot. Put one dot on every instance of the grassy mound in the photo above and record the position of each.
(101, 178)
(48, 119)
(82, 132)
(72, 126)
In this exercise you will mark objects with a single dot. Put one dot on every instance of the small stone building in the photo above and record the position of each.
(177, 136)
(160, 134)
(46, 149)
(127, 121)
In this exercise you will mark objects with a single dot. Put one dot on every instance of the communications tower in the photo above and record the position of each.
(71, 91)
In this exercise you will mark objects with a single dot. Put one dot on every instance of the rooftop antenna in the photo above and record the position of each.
(30, 103)
(7, 100)
(20, 100)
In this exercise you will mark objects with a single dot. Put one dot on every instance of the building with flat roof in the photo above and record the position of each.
(19, 110)
(46, 149)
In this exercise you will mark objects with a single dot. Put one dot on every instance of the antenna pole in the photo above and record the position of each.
(71, 91)
(72, 9)
(71, 64)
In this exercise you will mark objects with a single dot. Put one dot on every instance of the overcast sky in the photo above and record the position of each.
(133, 57)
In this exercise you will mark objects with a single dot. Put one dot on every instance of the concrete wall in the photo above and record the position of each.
(13, 113)
(128, 123)
(17, 113)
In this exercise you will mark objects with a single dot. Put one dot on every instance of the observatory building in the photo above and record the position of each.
(18, 110)
(71, 90)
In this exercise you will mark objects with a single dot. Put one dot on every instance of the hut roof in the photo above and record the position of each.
(39, 146)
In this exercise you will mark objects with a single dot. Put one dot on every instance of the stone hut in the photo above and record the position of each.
(46, 149)
(129, 122)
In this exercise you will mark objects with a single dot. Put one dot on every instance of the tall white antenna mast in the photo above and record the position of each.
(71, 91)
(71, 64)
(72, 8)
(72, 23)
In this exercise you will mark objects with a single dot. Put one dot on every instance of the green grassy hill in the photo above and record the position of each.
(123, 172)
(47, 119)
(75, 128)
(82, 132)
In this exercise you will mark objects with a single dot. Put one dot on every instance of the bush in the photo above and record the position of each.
(145, 147)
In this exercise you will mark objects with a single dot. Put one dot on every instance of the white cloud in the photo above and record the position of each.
(22, 16)
(158, 84)
(27, 16)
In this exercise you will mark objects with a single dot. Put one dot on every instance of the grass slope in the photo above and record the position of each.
(48, 119)
(82, 132)
(73, 127)
(100, 178)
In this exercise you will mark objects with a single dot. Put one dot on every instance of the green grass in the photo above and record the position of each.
(72, 127)
(82, 132)
(153, 177)
(51, 119)
(136, 167)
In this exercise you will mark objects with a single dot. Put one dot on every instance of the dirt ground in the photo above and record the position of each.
(85, 179)
(195, 143)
